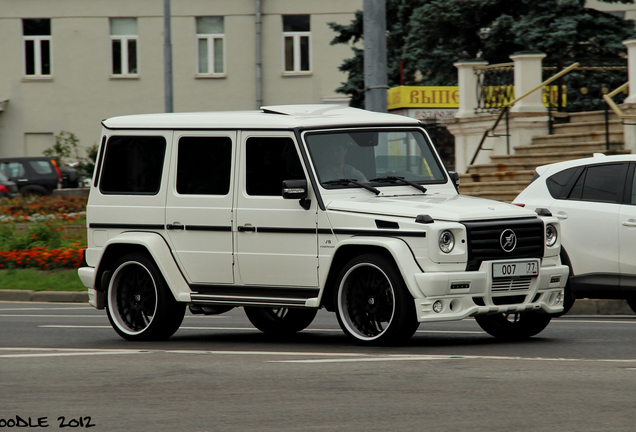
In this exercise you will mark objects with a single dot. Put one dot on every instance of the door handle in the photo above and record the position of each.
(247, 228)
(629, 223)
(175, 226)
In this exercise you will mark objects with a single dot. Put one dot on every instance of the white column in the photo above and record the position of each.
(631, 69)
(528, 75)
(467, 81)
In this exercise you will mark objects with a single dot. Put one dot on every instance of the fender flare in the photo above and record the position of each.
(156, 246)
(399, 251)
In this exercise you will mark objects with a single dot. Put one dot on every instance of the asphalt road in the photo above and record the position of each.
(62, 365)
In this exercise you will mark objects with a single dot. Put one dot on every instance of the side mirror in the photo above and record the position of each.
(455, 179)
(296, 189)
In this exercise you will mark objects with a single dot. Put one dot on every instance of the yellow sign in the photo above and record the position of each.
(448, 96)
(423, 97)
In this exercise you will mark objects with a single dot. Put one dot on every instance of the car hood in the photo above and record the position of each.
(454, 208)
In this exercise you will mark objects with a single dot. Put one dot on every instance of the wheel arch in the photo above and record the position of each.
(155, 247)
(393, 249)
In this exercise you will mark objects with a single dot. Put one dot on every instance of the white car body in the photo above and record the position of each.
(242, 248)
(599, 227)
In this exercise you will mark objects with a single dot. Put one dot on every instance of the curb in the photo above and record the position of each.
(581, 307)
(44, 296)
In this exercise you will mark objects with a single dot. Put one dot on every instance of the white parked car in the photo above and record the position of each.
(595, 201)
(290, 209)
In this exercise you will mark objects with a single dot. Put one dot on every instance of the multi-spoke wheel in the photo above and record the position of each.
(373, 305)
(280, 321)
(140, 306)
(513, 326)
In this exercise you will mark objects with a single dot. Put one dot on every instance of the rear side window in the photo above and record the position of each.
(556, 183)
(41, 167)
(204, 165)
(133, 165)
(600, 183)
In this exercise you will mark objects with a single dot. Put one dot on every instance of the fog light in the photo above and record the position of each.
(559, 298)
(438, 306)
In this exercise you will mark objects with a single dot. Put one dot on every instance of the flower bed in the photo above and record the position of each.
(41, 233)
(42, 258)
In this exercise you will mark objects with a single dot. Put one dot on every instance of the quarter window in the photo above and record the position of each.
(210, 46)
(133, 165)
(296, 43)
(124, 47)
(204, 165)
(37, 47)
(269, 162)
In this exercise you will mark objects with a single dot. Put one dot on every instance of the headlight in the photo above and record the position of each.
(446, 241)
(550, 235)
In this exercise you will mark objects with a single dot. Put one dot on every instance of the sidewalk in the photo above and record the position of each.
(581, 307)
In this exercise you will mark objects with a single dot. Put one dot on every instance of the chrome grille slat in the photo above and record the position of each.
(511, 284)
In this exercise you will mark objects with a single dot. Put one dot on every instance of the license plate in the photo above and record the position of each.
(516, 268)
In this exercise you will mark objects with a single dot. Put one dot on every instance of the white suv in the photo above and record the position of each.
(595, 199)
(290, 209)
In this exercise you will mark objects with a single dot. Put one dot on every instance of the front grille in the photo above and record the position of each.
(511, 284)
(484, 240)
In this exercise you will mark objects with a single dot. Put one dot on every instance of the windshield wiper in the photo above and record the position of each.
(395, 179)
(345, 182)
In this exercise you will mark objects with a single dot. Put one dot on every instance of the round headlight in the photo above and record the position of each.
(446, 241)
(550, 235)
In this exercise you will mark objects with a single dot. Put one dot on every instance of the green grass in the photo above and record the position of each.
(38, 280)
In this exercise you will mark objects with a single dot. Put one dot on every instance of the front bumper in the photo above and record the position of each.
(467, 294)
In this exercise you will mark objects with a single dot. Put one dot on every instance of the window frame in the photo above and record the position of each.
(124, 54)
(297, 51)
(37, 55)
(211, 63)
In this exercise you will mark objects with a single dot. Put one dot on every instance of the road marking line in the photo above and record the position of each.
(53, 316)
(66, 352)
(452, 357)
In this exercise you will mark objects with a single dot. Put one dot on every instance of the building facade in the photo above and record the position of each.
(68, 64)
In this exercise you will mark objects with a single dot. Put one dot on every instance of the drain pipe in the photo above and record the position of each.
(259, 61)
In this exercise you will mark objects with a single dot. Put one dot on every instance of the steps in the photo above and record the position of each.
(507, 175)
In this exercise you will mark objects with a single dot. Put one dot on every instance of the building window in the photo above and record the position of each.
(210, 46)
(296, 43)
(124, 47)
(37, 47)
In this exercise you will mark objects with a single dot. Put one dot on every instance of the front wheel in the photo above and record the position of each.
(280, 321)
(513, 326)
(373, 305)
(139, 303)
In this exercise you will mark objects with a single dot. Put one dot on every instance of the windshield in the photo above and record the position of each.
(373, 157)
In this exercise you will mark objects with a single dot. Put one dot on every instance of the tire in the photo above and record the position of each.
(373, 305)
(280, 321)
(513, 326)
(631, 301)
(139, 303)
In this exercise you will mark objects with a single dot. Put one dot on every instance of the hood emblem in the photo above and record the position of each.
(508, 240)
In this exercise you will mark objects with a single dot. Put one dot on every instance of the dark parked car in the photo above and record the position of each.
(33, 175)
(69, 175)
(8, 189)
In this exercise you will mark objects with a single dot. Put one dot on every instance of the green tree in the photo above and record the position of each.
(425, 37)
(67, 147)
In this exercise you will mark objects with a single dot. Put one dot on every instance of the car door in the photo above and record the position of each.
(276, 237)
(590, 219)
(199, 205)
(627, 235)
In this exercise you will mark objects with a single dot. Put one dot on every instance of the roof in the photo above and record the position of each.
(269, 117)
(596, 159)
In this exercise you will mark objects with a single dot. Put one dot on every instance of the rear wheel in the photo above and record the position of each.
(139, 303)
(280, 321)
(373, 305)
(513, 326)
